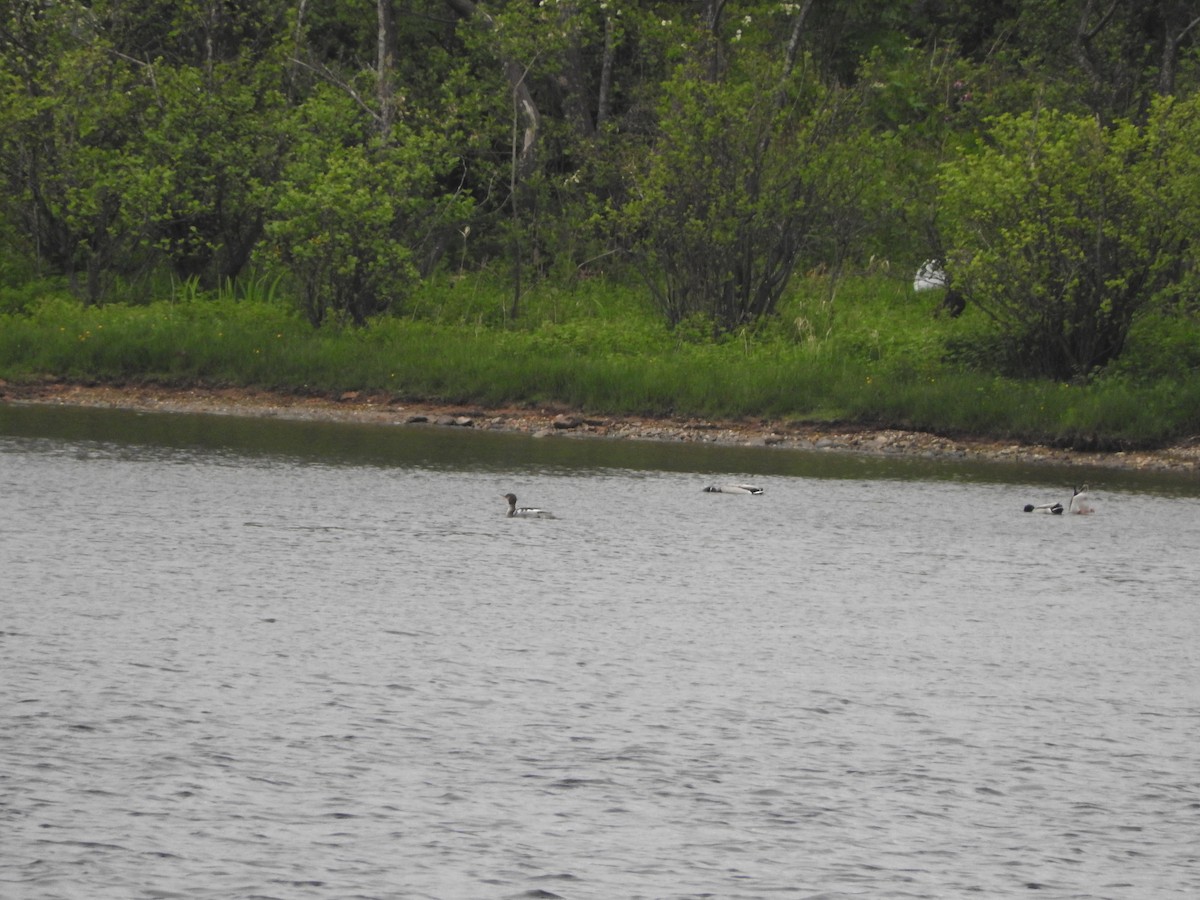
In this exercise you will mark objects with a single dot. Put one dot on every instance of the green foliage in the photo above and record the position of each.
(1063, 230)
(723, 141)
(1162, 346)
(28, 294)
(262, 154)
(84, 196)
(747, 176)
(352, 208)
(879, 363)
(116, 160)
(214, 135)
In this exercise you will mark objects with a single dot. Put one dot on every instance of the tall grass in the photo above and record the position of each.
(873, 354)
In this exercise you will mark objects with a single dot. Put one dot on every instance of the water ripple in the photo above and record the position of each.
(236, 678)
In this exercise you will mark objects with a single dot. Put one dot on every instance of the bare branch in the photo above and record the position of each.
(1192, 24)
(1087, 34)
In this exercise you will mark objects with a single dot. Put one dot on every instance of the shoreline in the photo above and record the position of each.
(362, 407)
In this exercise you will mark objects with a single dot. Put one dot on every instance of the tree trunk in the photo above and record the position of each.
(1084, 35)
(603, 102)
(1173, 35)
(793, 47)
(386, 66)
(572, 78)
(712, 27)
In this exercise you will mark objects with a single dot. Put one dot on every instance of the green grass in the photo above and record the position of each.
(874, 354)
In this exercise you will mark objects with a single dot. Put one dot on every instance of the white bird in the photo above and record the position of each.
(1055, 509)
(525, 512)
(1079, 502)
(931, 275)
(733, 489)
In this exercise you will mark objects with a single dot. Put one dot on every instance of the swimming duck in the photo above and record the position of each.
(732, 489)
(525, 512)
(1055, 509)
(1079, 502)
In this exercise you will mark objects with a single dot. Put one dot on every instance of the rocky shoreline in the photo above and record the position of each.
(1182, 458)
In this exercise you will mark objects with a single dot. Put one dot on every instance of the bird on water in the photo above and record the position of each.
(1052, 508)
(733, 489)
(525, 512)
(1080, 505)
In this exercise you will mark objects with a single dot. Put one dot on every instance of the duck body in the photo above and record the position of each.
(1055, 509)
(733, 489)
(525, 512)
(1080, 505)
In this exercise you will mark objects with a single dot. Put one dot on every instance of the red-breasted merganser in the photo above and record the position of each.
(1079, 502)
(732, 489)
(525, 512)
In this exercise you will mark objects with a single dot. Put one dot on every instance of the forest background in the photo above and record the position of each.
(708, 208)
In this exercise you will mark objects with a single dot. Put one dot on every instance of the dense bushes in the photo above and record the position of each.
(362, 160)
(1063, 230)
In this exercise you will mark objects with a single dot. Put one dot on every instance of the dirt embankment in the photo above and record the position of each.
(356, 407)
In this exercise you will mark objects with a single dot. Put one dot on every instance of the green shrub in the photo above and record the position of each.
(1063, 229)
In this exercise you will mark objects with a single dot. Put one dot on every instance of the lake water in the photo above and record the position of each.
(264, 659)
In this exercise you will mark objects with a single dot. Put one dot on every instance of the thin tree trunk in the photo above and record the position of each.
(514, 192)
(712, 26)
(793, 48)
(1170, 55)
(603, 101)
(572, 79)
(386, 66)
(1086, 32)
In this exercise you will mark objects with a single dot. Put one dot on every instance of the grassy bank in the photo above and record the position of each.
(873, 354)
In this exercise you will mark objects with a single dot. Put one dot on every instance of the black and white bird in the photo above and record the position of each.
(931, 275)
(1055, 509)
(525, 512)
(1080, 505)
(733, 489)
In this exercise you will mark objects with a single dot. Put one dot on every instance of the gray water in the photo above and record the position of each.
(245, 659)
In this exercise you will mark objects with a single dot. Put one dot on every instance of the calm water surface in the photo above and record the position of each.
(245, 659)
